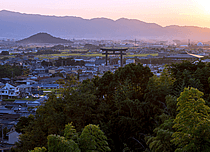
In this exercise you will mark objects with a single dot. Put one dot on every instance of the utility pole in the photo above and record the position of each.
(135, 42)
(12, 78)
(2, 134)
(188, 42)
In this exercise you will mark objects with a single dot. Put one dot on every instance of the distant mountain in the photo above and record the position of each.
(18, 25)
(43, 38)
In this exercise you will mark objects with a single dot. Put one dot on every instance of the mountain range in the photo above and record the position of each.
(18, 25)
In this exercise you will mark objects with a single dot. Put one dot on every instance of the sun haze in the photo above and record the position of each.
(162, 12)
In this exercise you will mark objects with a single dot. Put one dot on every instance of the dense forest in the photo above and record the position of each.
(129, 110)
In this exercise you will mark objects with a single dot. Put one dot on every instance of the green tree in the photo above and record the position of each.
(23, 122)
(121, 106)
(38, 149)
(49, 119)
(192, 122)
(161, 142)
(161, 139)
(58, 143)
(115, 102)
(189, 74)
(80, 104)
(93, 139)
(138, 77)
(70, 132)
(10, 71)
(157, 90)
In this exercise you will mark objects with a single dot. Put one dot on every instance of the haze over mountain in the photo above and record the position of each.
(43, 38)
(18, 25)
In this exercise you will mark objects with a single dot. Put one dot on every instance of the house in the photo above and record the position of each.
(128, 61)
(26, 82)
(52, 70)
(9, 91)
(39, 71)
(206, 60)
(23, 111)
(86, 76)
(33, 103)
(100, 61)
(7, 143)
(41, 75)
(180, 57)
(1, 62)
(4, 110)
(46, 86)
(21, 107)
(25, 90)
(5, 80)
(49, 80)
(91, 66)
(13, 136)
(20, 102)
(1, 84)
(12, 117)
(49, 86)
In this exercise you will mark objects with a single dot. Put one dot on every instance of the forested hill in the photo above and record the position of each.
(43, 38)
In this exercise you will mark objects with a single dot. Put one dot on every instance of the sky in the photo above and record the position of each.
(162, 12)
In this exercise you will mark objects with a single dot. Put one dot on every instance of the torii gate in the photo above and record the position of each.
(113, 51)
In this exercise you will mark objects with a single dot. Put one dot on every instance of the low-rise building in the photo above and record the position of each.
(128, 61)
(9, 91)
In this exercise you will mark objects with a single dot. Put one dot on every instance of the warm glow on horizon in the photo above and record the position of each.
(206, 6)
(162, 12)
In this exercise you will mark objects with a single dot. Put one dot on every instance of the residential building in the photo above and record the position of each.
(9, 91)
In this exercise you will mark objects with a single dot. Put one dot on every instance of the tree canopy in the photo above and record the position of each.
(91, 139)
(192, 122)
(136, 111)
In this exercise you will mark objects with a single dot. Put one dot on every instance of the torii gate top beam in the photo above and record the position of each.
(104, 49)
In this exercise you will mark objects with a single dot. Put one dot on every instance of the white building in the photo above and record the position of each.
(9, 91)
(200, 44)
(13, 136)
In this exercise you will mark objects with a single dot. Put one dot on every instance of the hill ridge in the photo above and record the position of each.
(43, 37)
(19, 25)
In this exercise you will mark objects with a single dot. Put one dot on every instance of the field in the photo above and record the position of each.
(7, 56)
(81, 49)
(142, 55)
(66, 55)
(51, 56)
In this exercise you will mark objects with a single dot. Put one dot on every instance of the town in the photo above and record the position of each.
(45, 67)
